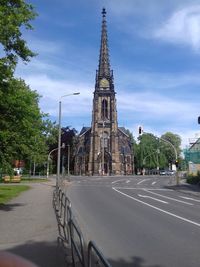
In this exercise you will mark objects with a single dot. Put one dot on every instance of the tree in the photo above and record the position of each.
(147, 151)
(23, 128)
(15, 15)
(168, 150)
(68, 137)
(153, 152)
(25, 132)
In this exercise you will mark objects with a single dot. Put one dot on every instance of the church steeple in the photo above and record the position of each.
(100, 147)
(104, 62)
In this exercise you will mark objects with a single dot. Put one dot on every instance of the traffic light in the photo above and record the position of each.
(198, 120)
(176, 163)
(140, 130)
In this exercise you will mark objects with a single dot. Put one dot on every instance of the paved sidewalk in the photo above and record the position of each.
(184, 187)
(28, 226)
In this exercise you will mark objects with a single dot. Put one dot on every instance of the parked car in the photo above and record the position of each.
(163, 172)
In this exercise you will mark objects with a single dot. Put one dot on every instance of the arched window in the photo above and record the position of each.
(105, 140)
(104, 109)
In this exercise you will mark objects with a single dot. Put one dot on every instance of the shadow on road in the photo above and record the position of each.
(185, 187)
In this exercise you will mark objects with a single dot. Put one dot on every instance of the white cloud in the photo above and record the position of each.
(156, 106)
(183, 27)
(52, 90)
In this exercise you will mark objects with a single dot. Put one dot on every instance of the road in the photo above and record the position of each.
(138, 221)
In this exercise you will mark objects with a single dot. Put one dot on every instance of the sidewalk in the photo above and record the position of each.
(184, 187)
(28, 226)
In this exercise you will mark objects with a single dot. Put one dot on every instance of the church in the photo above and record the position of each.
(104, 148)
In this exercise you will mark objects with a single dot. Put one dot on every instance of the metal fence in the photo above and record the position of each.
(70, 235)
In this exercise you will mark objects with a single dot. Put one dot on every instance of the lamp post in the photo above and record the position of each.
(68, 159)
(48, 158)
(103, 149)
(59, 136)
(155, 152)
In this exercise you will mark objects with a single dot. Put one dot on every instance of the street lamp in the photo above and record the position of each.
(103, 149)
(49, 156)
(68, 159)
(59, 137)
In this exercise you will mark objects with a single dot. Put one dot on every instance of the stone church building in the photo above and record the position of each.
(104, 148)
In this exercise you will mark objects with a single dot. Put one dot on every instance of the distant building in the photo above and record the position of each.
(104, 148)
(192, 156)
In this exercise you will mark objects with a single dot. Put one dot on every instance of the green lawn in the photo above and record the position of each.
(7, 192)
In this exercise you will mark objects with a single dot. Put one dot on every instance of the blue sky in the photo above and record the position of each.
(154, 53)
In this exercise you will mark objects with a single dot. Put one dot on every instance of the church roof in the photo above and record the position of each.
(84, 130)
(123, 130)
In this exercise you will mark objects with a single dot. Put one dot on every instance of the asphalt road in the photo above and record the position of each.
(138, 221)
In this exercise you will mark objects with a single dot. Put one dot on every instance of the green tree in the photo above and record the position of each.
(167, 149)
(147, 151)
(15, 15)
(153, 152)
(23, 129)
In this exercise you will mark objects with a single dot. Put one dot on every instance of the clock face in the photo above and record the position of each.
(104, 83)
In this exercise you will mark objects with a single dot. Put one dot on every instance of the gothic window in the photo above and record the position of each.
(104, 140)
(104, 109)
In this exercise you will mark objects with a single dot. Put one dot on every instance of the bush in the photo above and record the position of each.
(194, 179)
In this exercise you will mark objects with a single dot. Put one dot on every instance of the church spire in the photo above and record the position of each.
(104, 62)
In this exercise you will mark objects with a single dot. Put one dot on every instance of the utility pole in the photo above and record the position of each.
(68, 159)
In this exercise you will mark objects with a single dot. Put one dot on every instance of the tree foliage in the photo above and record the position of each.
(14, 16)
(68, 139)
(25, 132)
(152, 152)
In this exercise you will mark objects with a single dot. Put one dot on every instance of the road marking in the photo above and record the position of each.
(117, 181)
(153, 199)
(156, 208)
(128, 181)
(143, 181)
(153, 183)
(174, 199)
(190, 198)
(144, 188)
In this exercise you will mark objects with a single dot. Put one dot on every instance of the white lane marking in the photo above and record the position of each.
(156, 208)
(174, 199)
(153, 199)
(142, 181)
(128, 181)
(153, 183)
(190, 198)
(143, 188)
(117, 181)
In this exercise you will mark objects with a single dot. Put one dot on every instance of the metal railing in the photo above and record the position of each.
(70, 235)
(77, 245)
(95, 257)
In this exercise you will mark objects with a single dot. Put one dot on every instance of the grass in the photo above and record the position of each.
(7, 192)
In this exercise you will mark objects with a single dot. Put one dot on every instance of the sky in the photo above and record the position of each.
(154, 49)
